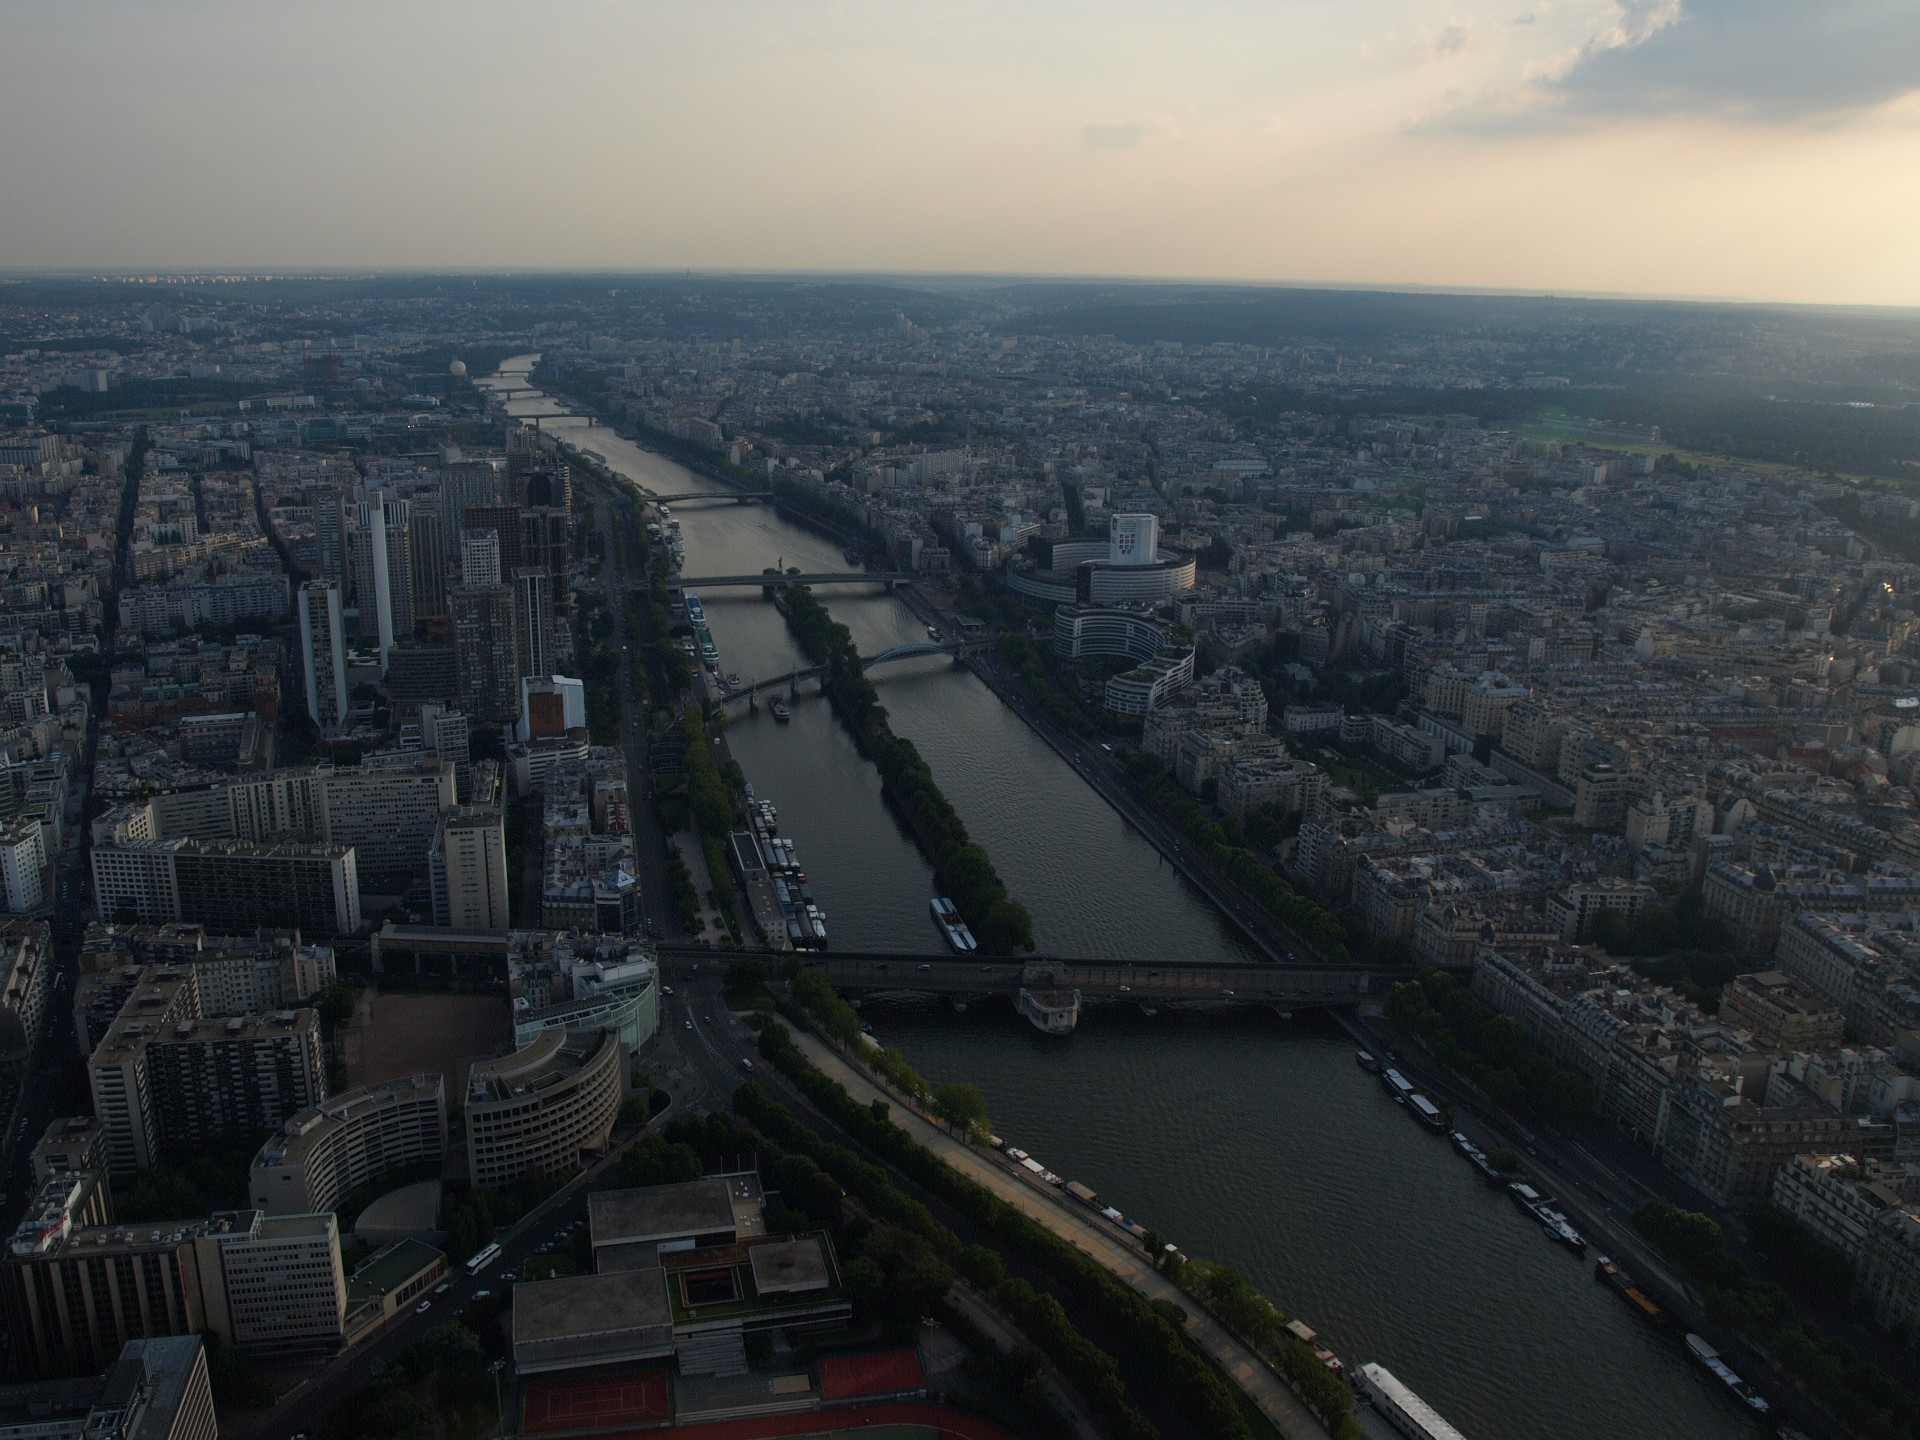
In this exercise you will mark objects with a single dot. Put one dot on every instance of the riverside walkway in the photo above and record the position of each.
(1121, 1258)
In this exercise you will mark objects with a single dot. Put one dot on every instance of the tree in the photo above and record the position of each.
(962, 1106)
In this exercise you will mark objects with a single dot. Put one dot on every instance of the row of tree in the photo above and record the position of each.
(1869, 1401)
(1318, 926)
(1469, 1036)
(1001, 924)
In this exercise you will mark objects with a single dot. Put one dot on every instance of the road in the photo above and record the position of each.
(650, 845)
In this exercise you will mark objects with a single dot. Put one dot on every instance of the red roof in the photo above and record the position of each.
(879, 1372)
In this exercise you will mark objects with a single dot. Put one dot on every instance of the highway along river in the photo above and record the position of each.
(1246, 1138)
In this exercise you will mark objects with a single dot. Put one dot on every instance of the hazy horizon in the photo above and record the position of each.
(1743, 151)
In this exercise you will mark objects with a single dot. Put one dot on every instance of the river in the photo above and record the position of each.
(1245, 1138)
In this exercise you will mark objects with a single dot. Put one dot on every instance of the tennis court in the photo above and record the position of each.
(598, 1402)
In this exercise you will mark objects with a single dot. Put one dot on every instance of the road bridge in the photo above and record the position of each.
(745, 497)
(912, 650)
(767, 578)
(1152, 984)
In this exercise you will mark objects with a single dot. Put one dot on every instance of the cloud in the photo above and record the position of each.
(1783, 62)
(1449, 40)
(1124, 134)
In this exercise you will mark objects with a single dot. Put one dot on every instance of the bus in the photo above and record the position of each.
(483, 1259)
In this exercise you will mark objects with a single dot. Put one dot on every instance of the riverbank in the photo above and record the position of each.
(1121, 1259)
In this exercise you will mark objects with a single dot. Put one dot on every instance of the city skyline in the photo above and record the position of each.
(1650, 147)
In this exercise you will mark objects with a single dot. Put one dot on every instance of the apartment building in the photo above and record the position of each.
(544, 1106)
(349, 1140)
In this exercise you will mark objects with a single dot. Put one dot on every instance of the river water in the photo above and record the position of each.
(1244, 1138)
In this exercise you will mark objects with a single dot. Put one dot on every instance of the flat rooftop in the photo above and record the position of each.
(790, 1267)
(663, 1212)
(388, 1269)
(590, 1307)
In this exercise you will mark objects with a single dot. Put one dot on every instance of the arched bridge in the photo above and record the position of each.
(911, 650)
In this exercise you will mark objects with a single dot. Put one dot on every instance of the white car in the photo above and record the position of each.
(423, 1307)
(443, 1287)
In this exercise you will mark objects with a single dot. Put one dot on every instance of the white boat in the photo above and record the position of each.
(1405, 1411)
(947, 917)
(1710, 1357)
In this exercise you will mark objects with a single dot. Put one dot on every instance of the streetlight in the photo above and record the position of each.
(499, 1410)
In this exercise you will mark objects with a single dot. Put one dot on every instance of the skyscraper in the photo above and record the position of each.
(486, 652)
(533, 621)
(425, 526)
(323, 646)
(480, 557)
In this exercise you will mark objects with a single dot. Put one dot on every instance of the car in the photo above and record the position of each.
(707, 1018)
(745, 1063)
(687, 1023)
(483, 1294)
(509, 1277)
(926, 967)
(666, 989)
(423, 1307)
(443, 1287)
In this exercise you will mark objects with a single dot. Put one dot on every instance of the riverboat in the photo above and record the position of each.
(1427, 1113)
(1541, 1208)
(947, 917)
(696, 612)
(801, 919)
(709, 652)
(1710, 1357)
(778, 709)
(1364, 1059)
(1404, 1410)
(1617, 1280)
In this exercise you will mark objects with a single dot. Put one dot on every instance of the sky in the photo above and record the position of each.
(1748, 149)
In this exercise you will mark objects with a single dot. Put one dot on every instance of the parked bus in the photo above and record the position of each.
(483, 1259)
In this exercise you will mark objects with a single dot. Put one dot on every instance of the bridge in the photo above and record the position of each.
(765, 578)
(1150, 984)
(912, 650)
(743, 496)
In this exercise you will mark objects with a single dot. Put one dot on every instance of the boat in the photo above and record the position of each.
(709, 652)
(947, 917)
(778, 708)
(1404, 1410)
(733, 680)
(1364, 1059)
(1427, 1113)
(696, 612)
(1309, 1337)
(1397, 1085)
(1710, 1357)
(1617, 1280)
(1541, 1208)
(852, 556)
(933, 632)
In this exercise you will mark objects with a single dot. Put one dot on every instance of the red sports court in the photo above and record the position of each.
(877, 1373)
(597, 1403)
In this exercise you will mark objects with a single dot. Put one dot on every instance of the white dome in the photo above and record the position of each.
(457, 369)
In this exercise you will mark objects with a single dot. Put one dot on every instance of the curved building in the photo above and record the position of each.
(542, 1105)
(1083, 630)
(321, 1154)
(1150, 684)
(1128, 567)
